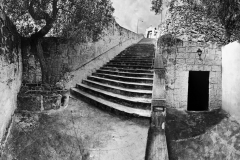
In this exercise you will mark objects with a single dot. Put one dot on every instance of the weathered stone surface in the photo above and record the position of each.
(188, 60)
(10, 72)
(211, 135)
(80, 132)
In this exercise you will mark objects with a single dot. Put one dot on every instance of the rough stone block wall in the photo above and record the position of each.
(67, 56)
(181, 59)
(10, 72)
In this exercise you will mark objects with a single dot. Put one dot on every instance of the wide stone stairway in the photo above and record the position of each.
(124, 84)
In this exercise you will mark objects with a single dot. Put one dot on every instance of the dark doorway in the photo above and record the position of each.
(198, 90)
(149, 34)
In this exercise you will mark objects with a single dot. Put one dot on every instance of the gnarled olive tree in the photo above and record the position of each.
(36, 19)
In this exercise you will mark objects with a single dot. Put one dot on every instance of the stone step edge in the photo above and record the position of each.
(127, 77)
(134, 73)
(135, 56)
(139, 84)
(139, 112)
(126, 98)
(139, 70)
(129, 66)
(133, 61)
(120, 88)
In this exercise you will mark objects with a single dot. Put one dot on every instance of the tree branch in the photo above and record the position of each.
(55, 9)
(37, 15)
(62, 8)
(49, 20)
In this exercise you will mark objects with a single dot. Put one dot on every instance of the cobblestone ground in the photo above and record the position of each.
(78, 132)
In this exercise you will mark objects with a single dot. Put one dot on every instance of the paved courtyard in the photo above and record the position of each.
(78, 132)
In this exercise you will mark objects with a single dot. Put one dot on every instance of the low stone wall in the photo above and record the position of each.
(182, 58)
(39, 98)
(10, 72)
(68, 56)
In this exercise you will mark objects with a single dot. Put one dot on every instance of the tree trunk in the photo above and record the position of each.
(43, 64)
(228, 35)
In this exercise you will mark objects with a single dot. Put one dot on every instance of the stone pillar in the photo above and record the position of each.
(157, 144)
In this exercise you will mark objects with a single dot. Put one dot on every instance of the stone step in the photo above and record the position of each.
(127, 70)
(135, 56)
(146, 48)
(134, 102)
(129, 66)
(130, 63)
(138, 46)
(136, 53)
(124, 84)
(124, 78)
(142, 50)
(132, 85)
(142, 45)
(130, 74)
(99, 102)
(133, 60)
(119, 90)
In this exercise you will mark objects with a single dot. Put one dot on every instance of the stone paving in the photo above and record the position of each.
(79, 132)
(202, 135)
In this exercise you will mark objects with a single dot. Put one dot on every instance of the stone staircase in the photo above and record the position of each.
(124, 84)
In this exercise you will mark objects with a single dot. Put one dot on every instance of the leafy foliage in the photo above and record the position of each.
(156, 6)
(168, 40)
(92, 17)
(190, 22)
(226, 12)
(60, 17)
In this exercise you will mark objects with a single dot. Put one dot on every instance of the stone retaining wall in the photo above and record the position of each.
(10, 72)
(64, 57)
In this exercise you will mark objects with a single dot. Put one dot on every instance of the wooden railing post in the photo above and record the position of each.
(156, 144)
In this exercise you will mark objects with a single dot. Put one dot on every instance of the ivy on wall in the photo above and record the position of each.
(190, 24)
